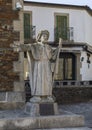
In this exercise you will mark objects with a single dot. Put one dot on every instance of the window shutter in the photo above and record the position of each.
(27, 27)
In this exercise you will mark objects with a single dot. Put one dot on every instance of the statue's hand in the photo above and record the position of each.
(20, 47)
(16, 46)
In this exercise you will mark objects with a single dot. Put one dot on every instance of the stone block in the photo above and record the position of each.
(12, 100)
(41, 109)
(11, 106)
(16, 66)
(61, 121)
(19, 87)
(15, 97)
(78, 128)
(2, 96)
(43, 122)
(16, 25)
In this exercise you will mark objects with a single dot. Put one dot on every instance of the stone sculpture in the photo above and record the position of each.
(40, 56)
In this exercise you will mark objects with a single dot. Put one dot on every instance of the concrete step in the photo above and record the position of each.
(78, 128)
(42, 122)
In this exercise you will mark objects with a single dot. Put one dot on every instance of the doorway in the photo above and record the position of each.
(66, 67)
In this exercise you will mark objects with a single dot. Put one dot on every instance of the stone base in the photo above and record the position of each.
(42, 122)
(78, 128)
(39, 120)
(41, 109)
(11, 105)
(12, 100)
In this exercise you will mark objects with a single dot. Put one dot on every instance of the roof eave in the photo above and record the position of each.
(87, 8)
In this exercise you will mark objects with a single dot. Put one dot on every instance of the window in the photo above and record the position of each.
(61, 27)
(27, 30)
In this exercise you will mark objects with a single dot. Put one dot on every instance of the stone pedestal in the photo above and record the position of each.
(45, 114)
(41, 109)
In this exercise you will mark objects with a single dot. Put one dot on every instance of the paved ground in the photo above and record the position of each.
(82, 109)
(68, 129)
(79, 108)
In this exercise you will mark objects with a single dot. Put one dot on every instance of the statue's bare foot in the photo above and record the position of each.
(50, 99)
(47, 99)
(35, 99)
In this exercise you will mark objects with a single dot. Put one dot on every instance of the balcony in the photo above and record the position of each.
(29, 34)
(66, 33)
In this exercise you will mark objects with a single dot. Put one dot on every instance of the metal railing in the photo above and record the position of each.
(70, 83)
(66, 33)
(29, 33)
(59, 84)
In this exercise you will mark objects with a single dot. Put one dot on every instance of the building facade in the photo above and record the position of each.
(73, 25)
(73, 83)
(21, 25)
(12, 92)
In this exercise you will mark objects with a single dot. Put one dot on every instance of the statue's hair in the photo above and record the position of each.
(41, 33)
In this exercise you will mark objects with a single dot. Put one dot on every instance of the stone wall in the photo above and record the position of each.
(66, 95)
(10, 86)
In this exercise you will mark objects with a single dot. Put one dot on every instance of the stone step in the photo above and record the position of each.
(42, 122)
(78, 128)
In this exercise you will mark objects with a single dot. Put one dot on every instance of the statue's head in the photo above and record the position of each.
(43, 36)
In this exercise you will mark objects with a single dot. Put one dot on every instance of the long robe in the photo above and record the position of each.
(40, 74)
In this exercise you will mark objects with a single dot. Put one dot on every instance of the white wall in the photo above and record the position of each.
(88, 28)
(43, 18)
(85, 70)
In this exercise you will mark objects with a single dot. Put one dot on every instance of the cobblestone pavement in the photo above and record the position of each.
(82, 109)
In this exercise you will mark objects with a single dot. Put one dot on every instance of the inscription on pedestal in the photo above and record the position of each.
(46, 109)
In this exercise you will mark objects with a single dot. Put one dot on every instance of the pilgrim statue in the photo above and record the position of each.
(40, 56)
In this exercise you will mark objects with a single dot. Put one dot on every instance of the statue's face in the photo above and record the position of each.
(44, 38)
